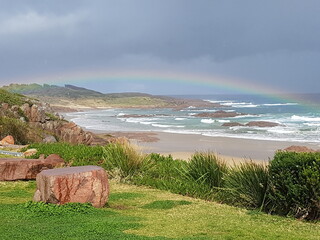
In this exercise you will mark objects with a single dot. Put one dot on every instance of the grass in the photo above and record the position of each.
(74, 155)
(124, 160)
(142, 213)
(246, 184)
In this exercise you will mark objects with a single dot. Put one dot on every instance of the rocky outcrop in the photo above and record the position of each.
(294, 148)
(232, 124)
(252, 124)
(73, 184)
(25, 169)
(39, 115)
(218, 114)
(262, 124)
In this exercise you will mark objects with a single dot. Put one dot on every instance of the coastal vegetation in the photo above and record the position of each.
(289, 186)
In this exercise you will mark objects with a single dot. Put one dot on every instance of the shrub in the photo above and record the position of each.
(206, 168)
(16, 128)
(246, 185)
(123, 160)
(295, 184)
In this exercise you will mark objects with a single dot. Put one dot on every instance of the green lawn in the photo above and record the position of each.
(143, 213)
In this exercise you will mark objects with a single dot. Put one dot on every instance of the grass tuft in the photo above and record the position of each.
(246, 185)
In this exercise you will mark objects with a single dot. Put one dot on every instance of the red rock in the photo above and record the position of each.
(262, 124)
(8, 140)
(232, 124)
(299, 149)
(73, 184)
(25, 169)
(218, 114)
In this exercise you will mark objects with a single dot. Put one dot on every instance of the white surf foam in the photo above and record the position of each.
(208, 121)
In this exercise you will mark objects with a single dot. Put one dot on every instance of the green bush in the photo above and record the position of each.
(16, 128)
(295, 184)
(206, 168)
(75, 155)
(246, 185)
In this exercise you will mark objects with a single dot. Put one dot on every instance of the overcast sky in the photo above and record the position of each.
(274, 43)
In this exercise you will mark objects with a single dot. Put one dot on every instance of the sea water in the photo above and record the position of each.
(298, 118)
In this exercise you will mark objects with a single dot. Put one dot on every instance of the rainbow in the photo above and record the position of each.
(234, 85)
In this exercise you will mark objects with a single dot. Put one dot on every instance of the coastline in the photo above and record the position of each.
(183, 146)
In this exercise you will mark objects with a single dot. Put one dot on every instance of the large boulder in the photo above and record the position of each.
(25, 169)
(73, 184)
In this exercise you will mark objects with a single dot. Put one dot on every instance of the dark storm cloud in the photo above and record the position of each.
(274, 42)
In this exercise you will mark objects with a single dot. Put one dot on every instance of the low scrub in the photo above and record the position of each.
(20, 131)
(295, 184)
(11, 98)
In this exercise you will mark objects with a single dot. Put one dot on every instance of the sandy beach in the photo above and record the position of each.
(182, 146)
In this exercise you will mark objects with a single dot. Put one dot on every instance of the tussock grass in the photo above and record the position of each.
(124, 160)
(206, 168)
(246, 185)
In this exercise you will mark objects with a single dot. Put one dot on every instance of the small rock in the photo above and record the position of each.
(30, 152)
(73, 184)
(49, 139)
(8, 140)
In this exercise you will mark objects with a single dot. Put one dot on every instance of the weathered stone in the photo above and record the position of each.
(5, 106)
(8, 140)
(232, 124)
(218, 114)
(73, 184)
(30, 152)
(299, 149)
(49, 139)
(21, 168)
(262, 124)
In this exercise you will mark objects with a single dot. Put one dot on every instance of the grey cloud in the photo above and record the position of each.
(262, 40)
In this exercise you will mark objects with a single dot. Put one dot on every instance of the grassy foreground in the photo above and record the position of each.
(142, 213)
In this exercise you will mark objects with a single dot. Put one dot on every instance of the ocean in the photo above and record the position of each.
(298, 117)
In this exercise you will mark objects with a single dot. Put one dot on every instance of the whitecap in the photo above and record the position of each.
(305, 119)
(207, 121)
(179, 119)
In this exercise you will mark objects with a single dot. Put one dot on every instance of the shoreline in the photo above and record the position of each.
(183, 146)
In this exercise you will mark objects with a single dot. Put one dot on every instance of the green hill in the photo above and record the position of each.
(37, 90)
